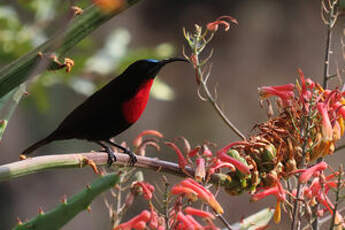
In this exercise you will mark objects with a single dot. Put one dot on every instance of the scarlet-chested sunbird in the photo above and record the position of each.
(111, 110)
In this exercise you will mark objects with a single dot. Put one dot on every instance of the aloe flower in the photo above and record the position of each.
(199, 213)
(327, 131)
(138, 222)
(285, 92)
(139, 139)
(192, 188)
(147, 188)
(238, 164)
(200, 171)
(182, 161)
(213, 26)
(308, 173)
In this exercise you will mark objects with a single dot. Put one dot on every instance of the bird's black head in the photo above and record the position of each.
(149, 68)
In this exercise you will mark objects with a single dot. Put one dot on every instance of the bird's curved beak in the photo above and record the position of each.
(162, 63)
(166, 61)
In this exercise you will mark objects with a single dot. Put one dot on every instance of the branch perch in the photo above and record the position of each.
(79, 160)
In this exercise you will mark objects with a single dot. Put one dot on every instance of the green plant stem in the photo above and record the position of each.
(8, 105)
(214, 103)
(69, 208)
(21, 69)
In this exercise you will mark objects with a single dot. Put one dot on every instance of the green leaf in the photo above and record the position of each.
(30, 64)
(8, 103)
(59, 216)
(255, 221)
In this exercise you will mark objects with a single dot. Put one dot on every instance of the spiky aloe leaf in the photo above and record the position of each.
(59, 216)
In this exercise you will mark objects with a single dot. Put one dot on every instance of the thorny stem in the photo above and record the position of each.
(327, 55)
(331, 22)
(337, 198)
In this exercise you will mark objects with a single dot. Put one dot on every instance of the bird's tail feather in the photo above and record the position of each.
(38, 144)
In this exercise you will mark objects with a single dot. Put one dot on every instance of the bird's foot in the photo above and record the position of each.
(111, 156)
(132, 158)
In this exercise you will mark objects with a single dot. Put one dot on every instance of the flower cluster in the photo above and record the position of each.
(309, 122)
(306, 114)
(323, 109)
(180, 216)
(319, 186)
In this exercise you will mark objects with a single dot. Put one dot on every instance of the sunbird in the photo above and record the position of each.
(110, 110)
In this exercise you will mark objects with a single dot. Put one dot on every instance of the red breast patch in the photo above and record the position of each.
(134, 107)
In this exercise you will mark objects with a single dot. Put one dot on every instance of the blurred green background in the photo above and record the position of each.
(272, 40)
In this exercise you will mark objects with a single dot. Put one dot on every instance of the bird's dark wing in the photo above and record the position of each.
(99, 117)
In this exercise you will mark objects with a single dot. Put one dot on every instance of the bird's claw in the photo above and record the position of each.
(132, 158)
(111, 156)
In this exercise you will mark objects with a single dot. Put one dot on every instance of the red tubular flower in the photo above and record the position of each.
(238, 164)
(195, 223)
(200, 171)
(213, 26)
(308, 173)
(219, 164)
(186, 223)
(154, 219)
(182, 162)
(317, 191)
(147, 188)
(190, 193)
(275, 191)
(161, 223)
(327, 131)
(305, 94)
(207, 152)
(139, 139)
(325, 201)
(211, 227)
(136, 222)
(339, 108)
(203, 194)
(221, 154)
(194, 152)
(285, 92)
(141, 225)
(199, 213)
(266, 192)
